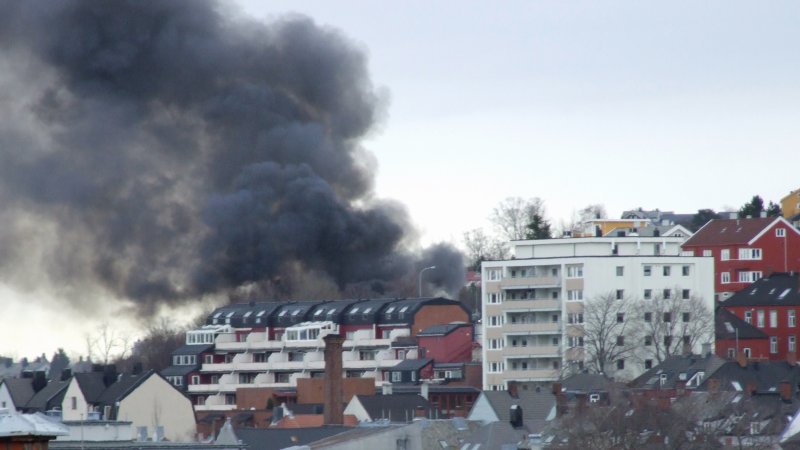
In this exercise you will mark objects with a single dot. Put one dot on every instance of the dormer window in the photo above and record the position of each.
(354, 311)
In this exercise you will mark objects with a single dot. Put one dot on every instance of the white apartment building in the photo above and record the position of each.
(533, 304)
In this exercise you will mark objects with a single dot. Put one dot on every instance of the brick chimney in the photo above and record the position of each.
(785, 388)
(419, 412)
(791, 359)
(333, 413)
(750, 389)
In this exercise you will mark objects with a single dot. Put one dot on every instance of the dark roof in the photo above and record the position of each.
(537, 407)
(365, 312)
(291, 313)
(48, 397)
(174, 371)
(442, 330)
(586, 382)
(674, 366)
(766, 376)
(91, 385)
(20, 389)
(193, 349)
(124, 385)
(394, 407)
(776, 289)
(278, 438)
(331, 311)
(729, 231)
(412, 364)
(433, 389)
(237, 315)
(403, 310)
(728, 325)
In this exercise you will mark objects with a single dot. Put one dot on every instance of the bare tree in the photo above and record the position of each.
(514, 215)
(106, 344)
(594, 211)
(607, 330)
(481, 247)
(672, 323)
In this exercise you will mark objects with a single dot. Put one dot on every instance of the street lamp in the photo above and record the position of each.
(420, 278)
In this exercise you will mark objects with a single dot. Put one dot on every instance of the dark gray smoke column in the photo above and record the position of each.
(165, 150)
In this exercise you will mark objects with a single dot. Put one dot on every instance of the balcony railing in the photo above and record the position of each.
(533, 351)
(533, 328)
(532, 305)
(532, 374)
(530, 282)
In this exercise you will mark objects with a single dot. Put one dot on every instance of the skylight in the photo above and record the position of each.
(784, 293)
(729, 327)
(354, 310)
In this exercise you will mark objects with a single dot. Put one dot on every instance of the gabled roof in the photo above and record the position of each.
(412, 364)
(766, 376)
(537, 407)
(394, 407)
(777, 289)
(731, 231)
(728, 325)
(442, 330)
(673, 367)
(586, 382)
(91, 385)
(20, 389)
(14, 425)
(48, 397)
(122, 387)
(277, 438)
(193, 349)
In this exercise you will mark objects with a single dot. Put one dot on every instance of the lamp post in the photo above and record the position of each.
(420, 278)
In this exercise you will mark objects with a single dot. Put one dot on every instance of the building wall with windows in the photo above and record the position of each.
(533, 308)
(745, 250)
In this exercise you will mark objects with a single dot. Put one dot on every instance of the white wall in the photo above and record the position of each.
(482, 410)
(81, 408)
(98, 431)
(155, 402)
(6, 402)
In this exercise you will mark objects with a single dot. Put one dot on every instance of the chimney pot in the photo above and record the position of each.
(333, 413)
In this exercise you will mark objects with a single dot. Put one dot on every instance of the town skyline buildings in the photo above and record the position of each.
(615, 96)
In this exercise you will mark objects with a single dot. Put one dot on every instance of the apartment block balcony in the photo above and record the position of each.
(214, 407)
(531, 374)
(530, 282)
(203, 388)
(552, 351)
(532, 305)
(533, 328)
(218, 367)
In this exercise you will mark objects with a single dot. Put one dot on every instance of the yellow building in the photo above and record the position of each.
(790, 205)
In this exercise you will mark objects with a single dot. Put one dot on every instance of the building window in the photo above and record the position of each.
(575, 294)
(620, 271)
(747, 352)
(667, 317)
(686, 317)
(494, 274)
(195, 379)
(494, 321)
(73, 403)
(685, 270)
(495, 344)
(620, 364)
(731, 353)
(667, 294)
(749, 277)
(648, 317)
(620, 341)
(648, 294)
(760, 318)
(725, 277)
(575, 318)
(620, 294)
(748, 316)
(648, 341)
(792, 343)
(780, 232)
(620, 317)
(648, 270)
(749, 253)
(575, 271)
(667, 271)
(724, 254)
(791, 318)
(495, 367)
(667, 340)
(707, 253)
(648, 364)
(686, 294)
(773, 318)
(773, 344)
(494, 298)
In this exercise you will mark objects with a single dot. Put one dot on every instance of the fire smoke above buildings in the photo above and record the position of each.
(163, 151)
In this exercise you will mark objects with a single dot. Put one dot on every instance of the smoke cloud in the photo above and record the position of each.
(160, 152)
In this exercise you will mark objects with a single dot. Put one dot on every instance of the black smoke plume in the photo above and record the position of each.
(165, 151)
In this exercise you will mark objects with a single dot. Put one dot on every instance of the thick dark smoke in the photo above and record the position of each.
(164, 151)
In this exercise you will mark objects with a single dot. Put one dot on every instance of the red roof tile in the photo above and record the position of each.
(729, 231)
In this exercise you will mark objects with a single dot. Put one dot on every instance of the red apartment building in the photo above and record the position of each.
(745, 250)
(771, 305)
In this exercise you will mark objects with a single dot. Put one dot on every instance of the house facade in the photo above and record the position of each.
(533, 305)
(273, 344)
(745, 250)
(771, 305)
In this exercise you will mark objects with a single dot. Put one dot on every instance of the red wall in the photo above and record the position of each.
(778, 254)
(761, 348)
(454, 347)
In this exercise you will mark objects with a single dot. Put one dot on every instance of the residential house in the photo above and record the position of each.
(745, 250)
(790, 208)
(676, 375)
(145, 399)
(771, 305)
(32, 394)
(534, 303)
(395, 408)
(658, 217)
(526, 411)
(734, 336)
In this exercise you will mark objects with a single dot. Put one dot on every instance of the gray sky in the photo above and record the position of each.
(676, 105)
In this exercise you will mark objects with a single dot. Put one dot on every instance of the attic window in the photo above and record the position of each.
(402, 311)
(331, 311)
(729, 327)
(784, 293)
(354, 310)
(295, 312)
(248, 314)
(261, 313)
(389, 310)
(366, 313)
(282, 313)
